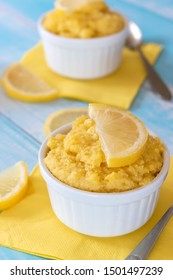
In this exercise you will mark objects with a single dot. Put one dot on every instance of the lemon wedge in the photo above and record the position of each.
(20, 83)
(122, 135)
(13, 185)
(62, 117)
(70, 6)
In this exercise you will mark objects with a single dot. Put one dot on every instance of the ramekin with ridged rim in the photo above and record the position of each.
(101, 214)
(83, 58)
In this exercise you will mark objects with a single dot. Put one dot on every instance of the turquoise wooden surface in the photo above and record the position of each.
(21, 123)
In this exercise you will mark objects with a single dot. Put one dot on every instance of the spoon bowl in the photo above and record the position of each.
(135, 36)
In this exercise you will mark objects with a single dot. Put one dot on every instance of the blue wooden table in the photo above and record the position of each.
(21, 124)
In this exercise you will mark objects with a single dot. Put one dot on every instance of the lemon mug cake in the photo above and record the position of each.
(83, 39)
(104, 172)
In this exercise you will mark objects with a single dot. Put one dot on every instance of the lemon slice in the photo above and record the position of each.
(122, 135)
(22, 84)
(13, 185)
(62, 117)
(72, 5)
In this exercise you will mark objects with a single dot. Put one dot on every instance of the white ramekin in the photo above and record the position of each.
(83, 58)
(101, 214)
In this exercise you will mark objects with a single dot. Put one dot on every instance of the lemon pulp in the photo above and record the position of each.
(13, 185)
(20, 83)
(122, 135)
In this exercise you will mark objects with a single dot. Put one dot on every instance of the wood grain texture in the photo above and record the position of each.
(21, 124)
(159, 7)
(16, 145)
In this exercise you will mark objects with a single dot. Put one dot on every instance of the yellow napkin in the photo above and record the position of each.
(118, 89)
(32, 227)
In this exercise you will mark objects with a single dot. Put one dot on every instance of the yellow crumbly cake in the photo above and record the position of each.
(78, 160)
(92, 20)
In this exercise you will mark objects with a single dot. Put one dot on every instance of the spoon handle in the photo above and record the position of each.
(157, 83)
(143, 249)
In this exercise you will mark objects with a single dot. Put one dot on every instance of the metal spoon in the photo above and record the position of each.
(143, 249)
(134, 41)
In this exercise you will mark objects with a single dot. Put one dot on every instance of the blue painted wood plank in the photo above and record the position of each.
(159, 7)
(17, 35)
(156, 114)
(8, 254)
(15, 145)
(31, 117)
(31, 9)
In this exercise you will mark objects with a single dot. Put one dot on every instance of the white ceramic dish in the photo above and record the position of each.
(101, 214)
(83, 58)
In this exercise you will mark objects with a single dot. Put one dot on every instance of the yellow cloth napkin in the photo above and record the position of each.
(118, 89)
(32, 227)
